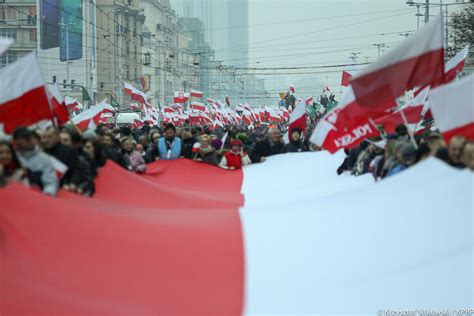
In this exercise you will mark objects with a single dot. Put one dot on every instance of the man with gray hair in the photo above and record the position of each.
(271, 145)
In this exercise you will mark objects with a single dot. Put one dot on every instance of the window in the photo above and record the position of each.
(8, 33)
(8, 13)
(33, 36)
(8, 58)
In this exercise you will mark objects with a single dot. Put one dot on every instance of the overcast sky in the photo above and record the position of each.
(326, 33)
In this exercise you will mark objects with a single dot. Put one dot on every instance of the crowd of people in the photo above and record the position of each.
(397, 152)
(37, 157)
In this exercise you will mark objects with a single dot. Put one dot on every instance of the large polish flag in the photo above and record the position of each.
(241, 243)
(417, 61)
(452, 106)
(24, 98)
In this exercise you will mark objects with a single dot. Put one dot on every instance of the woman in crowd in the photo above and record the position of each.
(10, 168)
(137, 164)
(94, 154)
(152, 154)
(236, 158)
(205, 153)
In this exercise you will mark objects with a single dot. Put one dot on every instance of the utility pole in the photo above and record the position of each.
(427, 11)
(66, 26)
(379, 48)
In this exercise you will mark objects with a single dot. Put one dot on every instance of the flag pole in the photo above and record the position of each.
(412, 138)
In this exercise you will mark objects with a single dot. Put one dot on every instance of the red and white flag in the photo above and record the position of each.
(240, 243)
(197, 106)
(417, 61)
(135, 107)
(452, 106)
(411, 113)
(89, 118)
(309, 100)
(344, 126)
(349, 71)
(58, 104)
(196, 93)
(72, 104)
(210, 101)
(455, 65)
(181, 97)
(136, 94)
(297, 120)
(5, 44)
(23, 94)
(292, 88)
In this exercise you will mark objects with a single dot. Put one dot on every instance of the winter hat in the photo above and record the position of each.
(235, 142)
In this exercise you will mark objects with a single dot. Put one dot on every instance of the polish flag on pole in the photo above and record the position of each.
(5, 44)
(23, 94)
(455, 65)
(181, 97)
(292, 88)
(326, 88)
(309, 100)
(413, 112)
(344, 126)
(417, 61)
(349, 71)
(297, 120)
(58, 104)
(452, 70)
(197, 106)
(196, 93)
(90, 117)
(452, 106)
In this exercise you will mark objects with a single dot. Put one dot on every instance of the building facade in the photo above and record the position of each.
(18, 21)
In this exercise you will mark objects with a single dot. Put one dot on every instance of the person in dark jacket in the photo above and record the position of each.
(111, 151)
(206, 152)
(296, 145)
(270, 146)
(187, 143)
(67, 155)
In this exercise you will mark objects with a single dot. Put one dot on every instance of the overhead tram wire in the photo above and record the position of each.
(297, 21)
(318, 31)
